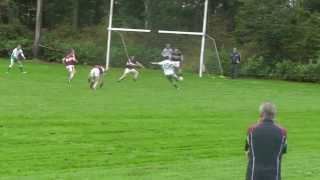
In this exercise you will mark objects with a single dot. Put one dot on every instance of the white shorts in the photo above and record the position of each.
(178, 64)
(12, 61)
(128, 71)
(94, 73)
(172, 75)
(70, 68)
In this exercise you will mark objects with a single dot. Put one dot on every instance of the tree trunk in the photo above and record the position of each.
(147, 14)
(75, 17)
(38, 29)
(12, 12)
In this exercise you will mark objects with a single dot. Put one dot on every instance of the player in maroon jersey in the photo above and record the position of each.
(70, 61)
(131, 68)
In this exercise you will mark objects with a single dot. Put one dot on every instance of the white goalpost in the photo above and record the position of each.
(203, 34)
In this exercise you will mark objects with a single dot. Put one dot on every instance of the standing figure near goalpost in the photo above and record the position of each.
(131, 68)
(96, 77)
(16, 56)
(167, 52)
(169, 67)
(70, 61)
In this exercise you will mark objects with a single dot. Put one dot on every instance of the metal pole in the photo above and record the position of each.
(217, 52)
(109, 34)
(203, 43)
(124, 45)
(219, 60)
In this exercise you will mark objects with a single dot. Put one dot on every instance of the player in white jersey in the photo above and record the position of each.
(169, 68)
(16, 56)
(96, 77)
(131, 68)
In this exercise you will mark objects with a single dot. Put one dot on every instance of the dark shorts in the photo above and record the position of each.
(172, 77)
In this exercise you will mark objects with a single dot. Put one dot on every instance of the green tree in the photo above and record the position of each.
(278, 31)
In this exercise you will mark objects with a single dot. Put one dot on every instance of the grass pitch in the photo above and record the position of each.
(146, 130)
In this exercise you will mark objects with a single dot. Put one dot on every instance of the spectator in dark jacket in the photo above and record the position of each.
(235, 58)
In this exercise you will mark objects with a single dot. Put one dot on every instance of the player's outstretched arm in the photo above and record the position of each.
(139, 64)
(23, 56)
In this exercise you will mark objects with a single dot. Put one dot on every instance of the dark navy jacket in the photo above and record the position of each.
(235, 58)
(266, 143)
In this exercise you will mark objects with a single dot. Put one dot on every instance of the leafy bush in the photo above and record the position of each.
(288, 70)
(285, 70)
(11, 36)
(256, 66)
(55, 45)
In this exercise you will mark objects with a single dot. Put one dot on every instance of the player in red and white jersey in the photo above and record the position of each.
(96, 77)
(70, 61)
(131, 68)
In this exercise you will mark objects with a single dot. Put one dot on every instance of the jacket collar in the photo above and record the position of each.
(267, 121)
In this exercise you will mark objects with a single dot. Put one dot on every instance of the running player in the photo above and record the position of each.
(169, 67)
(96, 77)
(131, 68)
(177, 56)
(70, 61)
(16, 56)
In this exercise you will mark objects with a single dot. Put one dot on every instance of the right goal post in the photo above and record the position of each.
(203, 34)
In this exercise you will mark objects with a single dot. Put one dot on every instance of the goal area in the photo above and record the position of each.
(202, 36)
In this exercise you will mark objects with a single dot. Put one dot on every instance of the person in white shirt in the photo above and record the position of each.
(167, 52)
(96, 77)
(169, 67)
(16, 57)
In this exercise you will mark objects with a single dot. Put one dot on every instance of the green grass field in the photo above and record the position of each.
(146, 130)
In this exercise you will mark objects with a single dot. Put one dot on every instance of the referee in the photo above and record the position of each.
(266, 143)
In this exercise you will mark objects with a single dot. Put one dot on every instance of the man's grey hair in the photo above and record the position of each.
(268, 110)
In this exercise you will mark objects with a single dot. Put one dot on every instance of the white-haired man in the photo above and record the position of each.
(265, 144)
(16, 57)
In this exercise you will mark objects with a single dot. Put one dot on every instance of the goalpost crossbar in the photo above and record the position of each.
(130, 30)
(181, 32)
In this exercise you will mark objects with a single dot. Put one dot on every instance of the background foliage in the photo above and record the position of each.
(269, 33)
